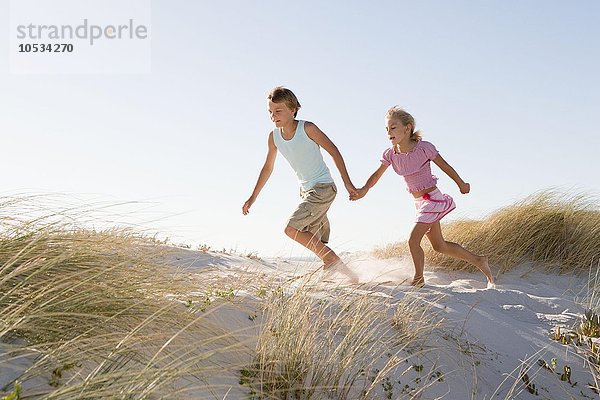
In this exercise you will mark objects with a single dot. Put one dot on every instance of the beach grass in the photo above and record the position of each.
(94, 314)
(343, 346)
(550, 229)
(107, 314)
(101, 314)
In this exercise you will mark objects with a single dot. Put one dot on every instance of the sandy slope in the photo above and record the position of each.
(476, 353)
(487, 332)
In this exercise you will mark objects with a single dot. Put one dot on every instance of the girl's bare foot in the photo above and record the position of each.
(484, 266)
(418, 281)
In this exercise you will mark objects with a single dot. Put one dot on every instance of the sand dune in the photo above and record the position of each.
(487, 334)
(476, 352)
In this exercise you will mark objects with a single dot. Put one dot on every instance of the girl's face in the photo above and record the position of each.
(280, 113)
(397, 132)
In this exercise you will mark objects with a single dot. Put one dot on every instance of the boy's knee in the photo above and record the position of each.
(291, 232)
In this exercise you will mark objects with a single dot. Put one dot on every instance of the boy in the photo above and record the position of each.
(300, 142)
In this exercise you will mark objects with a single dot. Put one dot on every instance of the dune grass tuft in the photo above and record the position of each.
(551, 229)
(343, 346)
(89, 311)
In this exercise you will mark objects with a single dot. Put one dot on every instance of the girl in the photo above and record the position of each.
(410, 157)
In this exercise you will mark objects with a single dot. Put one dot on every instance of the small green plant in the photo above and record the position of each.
(204, 304)
(566, 375)
(278, 292)
(544, 364)
(57, 373)
(590, 324)
(567, 336)
(226, 294)
(246, 376)
(15, 394)
(407, 389)
(388, 387)
(438, 375)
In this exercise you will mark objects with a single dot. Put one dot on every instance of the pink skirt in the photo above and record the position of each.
(433, 206)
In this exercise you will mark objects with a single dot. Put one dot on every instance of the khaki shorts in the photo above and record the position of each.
(311, 214)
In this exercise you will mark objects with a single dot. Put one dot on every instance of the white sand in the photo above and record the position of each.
(479, 349)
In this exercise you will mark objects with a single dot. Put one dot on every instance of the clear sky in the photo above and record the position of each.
(508, 91)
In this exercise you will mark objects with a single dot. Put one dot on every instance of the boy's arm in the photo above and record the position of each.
(360, 193)
(264, 175)
(448, 170)
(322, 140)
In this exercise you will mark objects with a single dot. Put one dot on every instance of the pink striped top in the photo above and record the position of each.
(414, 166)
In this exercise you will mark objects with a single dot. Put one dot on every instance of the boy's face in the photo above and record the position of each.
(280, 113)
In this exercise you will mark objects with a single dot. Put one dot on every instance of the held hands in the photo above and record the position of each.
(350, 188)
(359, 193)
(464, 188)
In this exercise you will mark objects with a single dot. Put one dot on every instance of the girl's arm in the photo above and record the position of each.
(322, 140)
(360, 193)
(264, 175)
(447, 168)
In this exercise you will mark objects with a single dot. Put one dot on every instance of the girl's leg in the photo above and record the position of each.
(455, 250)
(314, 244)
(416, 252)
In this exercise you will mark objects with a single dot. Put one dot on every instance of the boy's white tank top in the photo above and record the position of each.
(305, 157)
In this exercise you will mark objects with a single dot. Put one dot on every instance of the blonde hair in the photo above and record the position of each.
(406, 119)
(280, 94)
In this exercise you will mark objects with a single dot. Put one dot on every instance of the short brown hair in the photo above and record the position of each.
(280, 94)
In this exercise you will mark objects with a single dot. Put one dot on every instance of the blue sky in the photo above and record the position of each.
(507, 91)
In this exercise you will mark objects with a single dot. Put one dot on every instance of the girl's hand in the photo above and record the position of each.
(350, 188)
(465, 188)
(247, 205)
(359, 194)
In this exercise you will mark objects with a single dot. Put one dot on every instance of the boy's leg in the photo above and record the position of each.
(314, 244)
(416, 252)
(309, 225)
(324, 229)
(455, 250)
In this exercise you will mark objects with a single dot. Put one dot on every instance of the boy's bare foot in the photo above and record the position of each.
(338, 266)
(484, 266)
(331, 262)
(418, 281)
